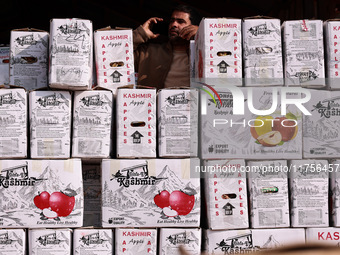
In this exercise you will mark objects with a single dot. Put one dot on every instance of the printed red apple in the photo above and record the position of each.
(181, 202)
(169, 212)
(270, 139)
(162, 199)
(42, 200)
(48, 213)
(61, 203)
(288, 130)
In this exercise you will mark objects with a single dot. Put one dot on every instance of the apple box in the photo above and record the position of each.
(268, 194)
(130, 241)
(29, 58)
(303, 48)
(13, 241)
(93, 241)
(250, 240)
(136, 123)
(92, 118)
(50, 124)
(50, 241)
(253, 133)
(114, 58)
(321, 138)
(71, 54)
(92, 194)
(41, 193)
(225, 188)
(177, 111)
(262, 53)
(4, 64)
(171, 238)
(326, 236)
(308, 181)
(13, 120)
(150, 193)
(334, 183)
(218, 58)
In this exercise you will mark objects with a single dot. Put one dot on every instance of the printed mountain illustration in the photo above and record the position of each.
(271, 243)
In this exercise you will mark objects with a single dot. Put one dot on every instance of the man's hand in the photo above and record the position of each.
(147, 26)
(188, 32)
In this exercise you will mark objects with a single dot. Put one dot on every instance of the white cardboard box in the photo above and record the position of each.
(41, 193)
(308, 181)
(304, 53)
(321, 138)
(93, 241)
(227, 135)
(13, 122)
(114, 58)
(29, 58)
(136, 123)
(4, 64)
(226, 194)
(150, 193)
(177, 111)
(334, 183)
(92, 118)
(13, 241)
(218, 58)
(135, 241)
(171, 238)
(246, 241)
(262, 53)
(332, 53)
(50, 124)
(50, 241)
(268, 194)
(71, 54)
(326, 236)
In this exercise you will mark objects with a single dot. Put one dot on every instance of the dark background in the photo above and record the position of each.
(131, 13)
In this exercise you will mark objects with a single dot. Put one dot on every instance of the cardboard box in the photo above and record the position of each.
(50, 124)
(50, 241)
(225, 134)
(92, 118)
(13, 122)
(218, 58)
(114, 58)
(308, 181)
(268, 194)
(171, 238)
(29, 58)
(135, 241)
(304, 53)
(321, 138)
(41, 193)
(150, 193)
(262, 53)
(92, 194)
(325, 236)
(93, 241)
(4, 64)
(13, 241)
(247, 241)
(136, 123)
(334, 182)
(332, 54)
(177, 111)
(71, 54)
(226, 194)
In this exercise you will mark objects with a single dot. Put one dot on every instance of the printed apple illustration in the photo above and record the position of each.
(270, 139)
(262, 125)
(162, 199)
(169, 212)
(42, 200)
(288, 130)
(48, 213)
(181, 202)
(61, 203)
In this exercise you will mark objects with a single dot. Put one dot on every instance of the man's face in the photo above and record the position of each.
(178, 21)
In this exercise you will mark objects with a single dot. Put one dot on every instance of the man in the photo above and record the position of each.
(164, 62)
